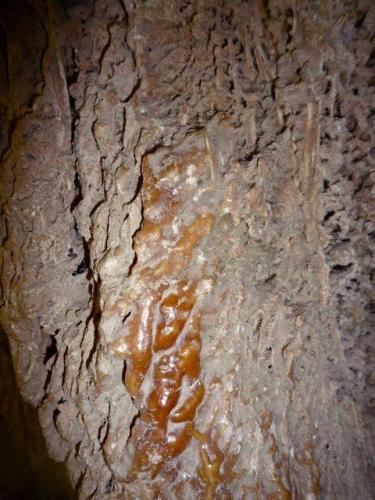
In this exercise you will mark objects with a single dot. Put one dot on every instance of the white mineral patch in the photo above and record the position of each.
(191, 169)
(175, 226)
(204, 286)
(191, 180)
(200, 257)
(155, 458)
(109, 265)
(121, 348)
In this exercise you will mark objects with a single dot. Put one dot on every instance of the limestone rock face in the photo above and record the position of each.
(187, 243)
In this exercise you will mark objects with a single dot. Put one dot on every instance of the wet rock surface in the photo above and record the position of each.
(187, 228)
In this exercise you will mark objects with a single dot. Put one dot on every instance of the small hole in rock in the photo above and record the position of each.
(56, 413)
(338, 268)
(328, 87)
(51, 349)
(81, 268)
(328, 215)
(351, 123)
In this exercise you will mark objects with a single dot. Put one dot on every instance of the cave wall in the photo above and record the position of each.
(27, 472)
(187, 256)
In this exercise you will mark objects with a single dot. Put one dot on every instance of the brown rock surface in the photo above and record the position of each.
(187, 243)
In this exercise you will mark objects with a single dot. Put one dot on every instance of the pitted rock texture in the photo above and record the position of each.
(187, 243)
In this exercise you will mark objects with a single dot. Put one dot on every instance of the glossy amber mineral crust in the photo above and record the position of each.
(187, 246)
(161, 339)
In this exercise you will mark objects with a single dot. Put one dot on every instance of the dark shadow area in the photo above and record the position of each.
(26, 470)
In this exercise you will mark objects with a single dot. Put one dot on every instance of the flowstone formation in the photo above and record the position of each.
(187, 243)
(162, 340)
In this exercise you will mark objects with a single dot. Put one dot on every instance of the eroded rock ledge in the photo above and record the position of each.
(187, 256)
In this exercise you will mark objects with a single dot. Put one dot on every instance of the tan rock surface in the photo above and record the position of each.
(188, 237)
